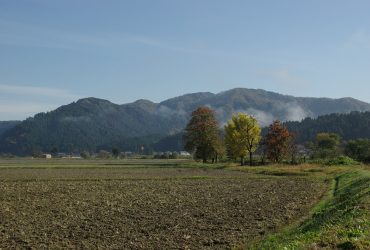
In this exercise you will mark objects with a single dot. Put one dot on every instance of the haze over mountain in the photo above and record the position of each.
(92, 124)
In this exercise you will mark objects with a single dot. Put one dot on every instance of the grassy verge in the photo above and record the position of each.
(340, 221)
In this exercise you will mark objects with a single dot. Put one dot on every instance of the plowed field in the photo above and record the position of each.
(150, 208)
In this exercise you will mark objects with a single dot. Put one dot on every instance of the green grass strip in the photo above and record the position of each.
(340, 221)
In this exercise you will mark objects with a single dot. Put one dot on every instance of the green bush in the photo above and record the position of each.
(342, 160)
(85, 155)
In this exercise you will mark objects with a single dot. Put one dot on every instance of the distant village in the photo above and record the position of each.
(103, 154)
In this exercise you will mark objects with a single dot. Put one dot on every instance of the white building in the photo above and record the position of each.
(46, 156)
(184, 153)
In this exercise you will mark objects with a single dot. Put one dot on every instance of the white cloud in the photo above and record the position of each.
(224, 114)
(163, 110)
(22, 110)
(285, 77)
(19, 101)
(264, 118)
(36, 91)
(294, 112)
(15, 33)
(291, 111)
(359, 39)
(21, 34)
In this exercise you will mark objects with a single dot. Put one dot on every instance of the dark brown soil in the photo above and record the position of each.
(212, 210)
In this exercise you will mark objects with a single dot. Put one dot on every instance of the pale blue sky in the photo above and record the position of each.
(54, 52)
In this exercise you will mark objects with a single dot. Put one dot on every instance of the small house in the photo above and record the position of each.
(46, 156)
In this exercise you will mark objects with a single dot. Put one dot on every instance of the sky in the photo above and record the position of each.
(55, 52)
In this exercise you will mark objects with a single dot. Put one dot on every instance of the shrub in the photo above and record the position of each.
(103, 155)
(85, 155)
(342, 160)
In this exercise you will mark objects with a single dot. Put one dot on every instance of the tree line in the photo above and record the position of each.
(241, 137)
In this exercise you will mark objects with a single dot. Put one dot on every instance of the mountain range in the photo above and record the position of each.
(93, 124)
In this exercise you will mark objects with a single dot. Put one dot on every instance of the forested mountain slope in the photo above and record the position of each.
(91, 123)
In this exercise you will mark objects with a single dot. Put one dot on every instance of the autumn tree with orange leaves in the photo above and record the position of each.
(202, 134)
(278, 141)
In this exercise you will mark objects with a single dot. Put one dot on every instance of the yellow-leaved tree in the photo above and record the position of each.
(242, 135)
